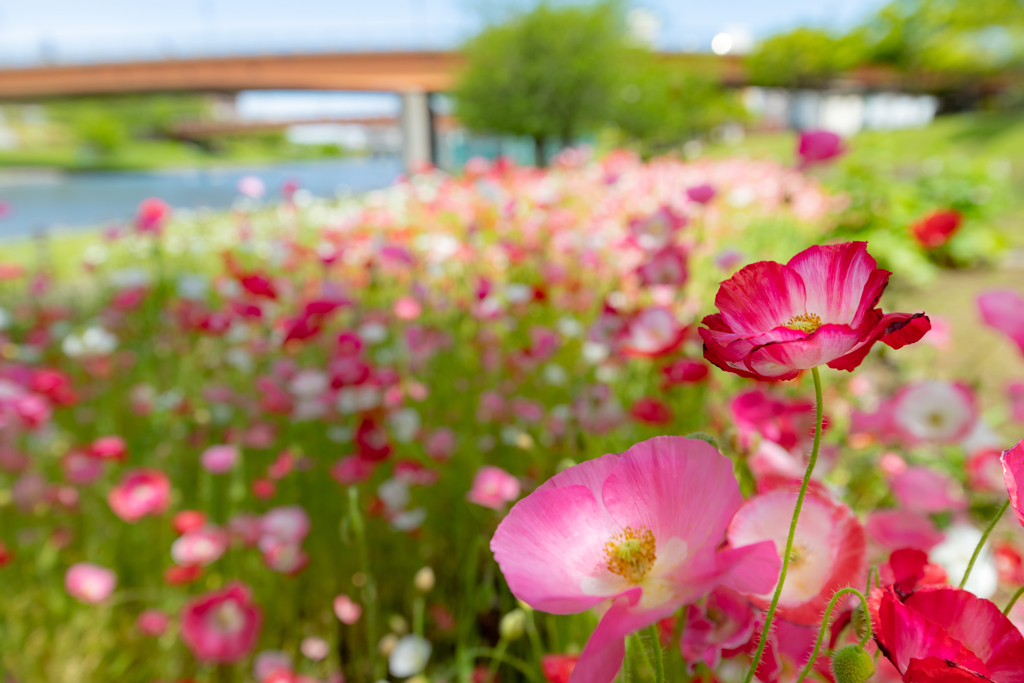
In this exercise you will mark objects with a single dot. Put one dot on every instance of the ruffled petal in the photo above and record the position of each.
(602, 656)
(935, 670)
(803, 352)
(752, 569)
(835, 277)
(761, 297)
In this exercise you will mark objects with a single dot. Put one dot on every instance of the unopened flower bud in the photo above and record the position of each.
(424, 580)
(852, 664)
(703, 436)
(387, 644)
(398, 624)
(513, 625)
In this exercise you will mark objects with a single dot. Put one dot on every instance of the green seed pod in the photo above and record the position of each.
(851, 664)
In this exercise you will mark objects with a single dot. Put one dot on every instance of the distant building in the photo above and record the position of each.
(844, 112)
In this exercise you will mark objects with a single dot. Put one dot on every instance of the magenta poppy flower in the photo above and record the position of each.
(153, 623)
(652, 332)
(816, 146)
(940, 633)
(1013, 477)
(818, 309)
(1003, 310)
(151, 215)
(109, 448)
(701, 194)
(829, 549)
(493, 488)
(924, 490)
(221, 627)
(140, 493)
(639, 532)
(665, 267)
(90, 583)
(725, 622)
(347, 611)
(652, 411)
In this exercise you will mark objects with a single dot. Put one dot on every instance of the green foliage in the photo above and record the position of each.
(804, 57)
(661, 104)
(547, 74)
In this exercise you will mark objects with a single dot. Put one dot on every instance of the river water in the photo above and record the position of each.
(43, 201)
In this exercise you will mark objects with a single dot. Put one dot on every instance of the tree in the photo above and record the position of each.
(549, 73)
(660, 104)
(804, 57)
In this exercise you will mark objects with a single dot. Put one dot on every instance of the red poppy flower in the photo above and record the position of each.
(776, 320)
(941, 633)
(935, 229)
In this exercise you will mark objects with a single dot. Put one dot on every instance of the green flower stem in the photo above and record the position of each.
(659, 662)
(418, 608)
(981, 543)
(824, 627)
(766, 630)
(677, 636)
(496, 658)
(358, 526)
(1013, 600)
(534, 636)
(502, 657)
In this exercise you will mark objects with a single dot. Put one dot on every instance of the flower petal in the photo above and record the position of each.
(602, 656)
(907, 634)
(835, 277)
(803, 353)
(1013, 475)
(550, 544)
(761, 297)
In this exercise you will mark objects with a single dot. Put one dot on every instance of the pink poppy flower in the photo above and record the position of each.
(933, 410)
(639, 532)
(1013, 476)
(941, 633)
(223, 626)
(251, 186)
(1015, 394)
(895, 529)
(652, 332)
(352, 469)
(81, 469)
(493, 488)
(219, 459)
(816, 146)
(188, 520)
(725, 622)
(558, 668)
(665, 267)
(200, 547)
(657, 230)
(90, 583)
(440, 445)
(347, 611)
(829, 549)
(289, 523)
(109, 448)
(140, 493)
(152, 215)
(922, 489)
(1003, 310)
(785, 421)
(685, 371)
(153, 623)
(407, 308)
(908, 569)
(937, 228)
(818, 309)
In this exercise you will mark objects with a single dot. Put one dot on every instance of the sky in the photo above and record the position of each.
(76, 30)
(72, 31)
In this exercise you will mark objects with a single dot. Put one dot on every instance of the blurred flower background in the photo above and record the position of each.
(316, 322)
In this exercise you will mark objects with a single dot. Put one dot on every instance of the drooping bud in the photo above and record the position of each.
(513, 625)
(851, 664)
(704, 436)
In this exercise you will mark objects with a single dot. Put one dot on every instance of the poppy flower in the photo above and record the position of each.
(924, 490)
(222, 626)
(828, 550)
(725, 622)
(933, 410)
(639, 533)
(816, 146)
(200, 547)
(935, 229)
(140, 493)
(558, 668)
(941, 633)
(89, 583)
(493, 487)
(1013, 476)
(665, 267)
(702, 194)
(1003, 310)
(894, 529)
(818, 309)
(151, 216)
(652, 332)
(685, 371)
(652, 411)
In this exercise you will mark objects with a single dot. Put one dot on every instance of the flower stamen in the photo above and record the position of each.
(631, 553)
(805, 322)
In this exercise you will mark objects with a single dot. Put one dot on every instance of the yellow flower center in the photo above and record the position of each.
(805, 322)
(630, 553)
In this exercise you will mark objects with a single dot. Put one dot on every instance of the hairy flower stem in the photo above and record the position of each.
(824, 627)
(1013, 600)
(981, 543)
(766, 629)
(659, 662)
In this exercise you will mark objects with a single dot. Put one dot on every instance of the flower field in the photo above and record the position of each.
(517, 425)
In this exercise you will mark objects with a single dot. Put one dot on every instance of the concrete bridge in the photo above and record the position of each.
(412, 74)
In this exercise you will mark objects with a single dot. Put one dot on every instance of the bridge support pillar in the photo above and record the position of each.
(417, 133)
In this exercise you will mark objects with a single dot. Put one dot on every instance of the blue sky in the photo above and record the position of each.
(104, 29)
